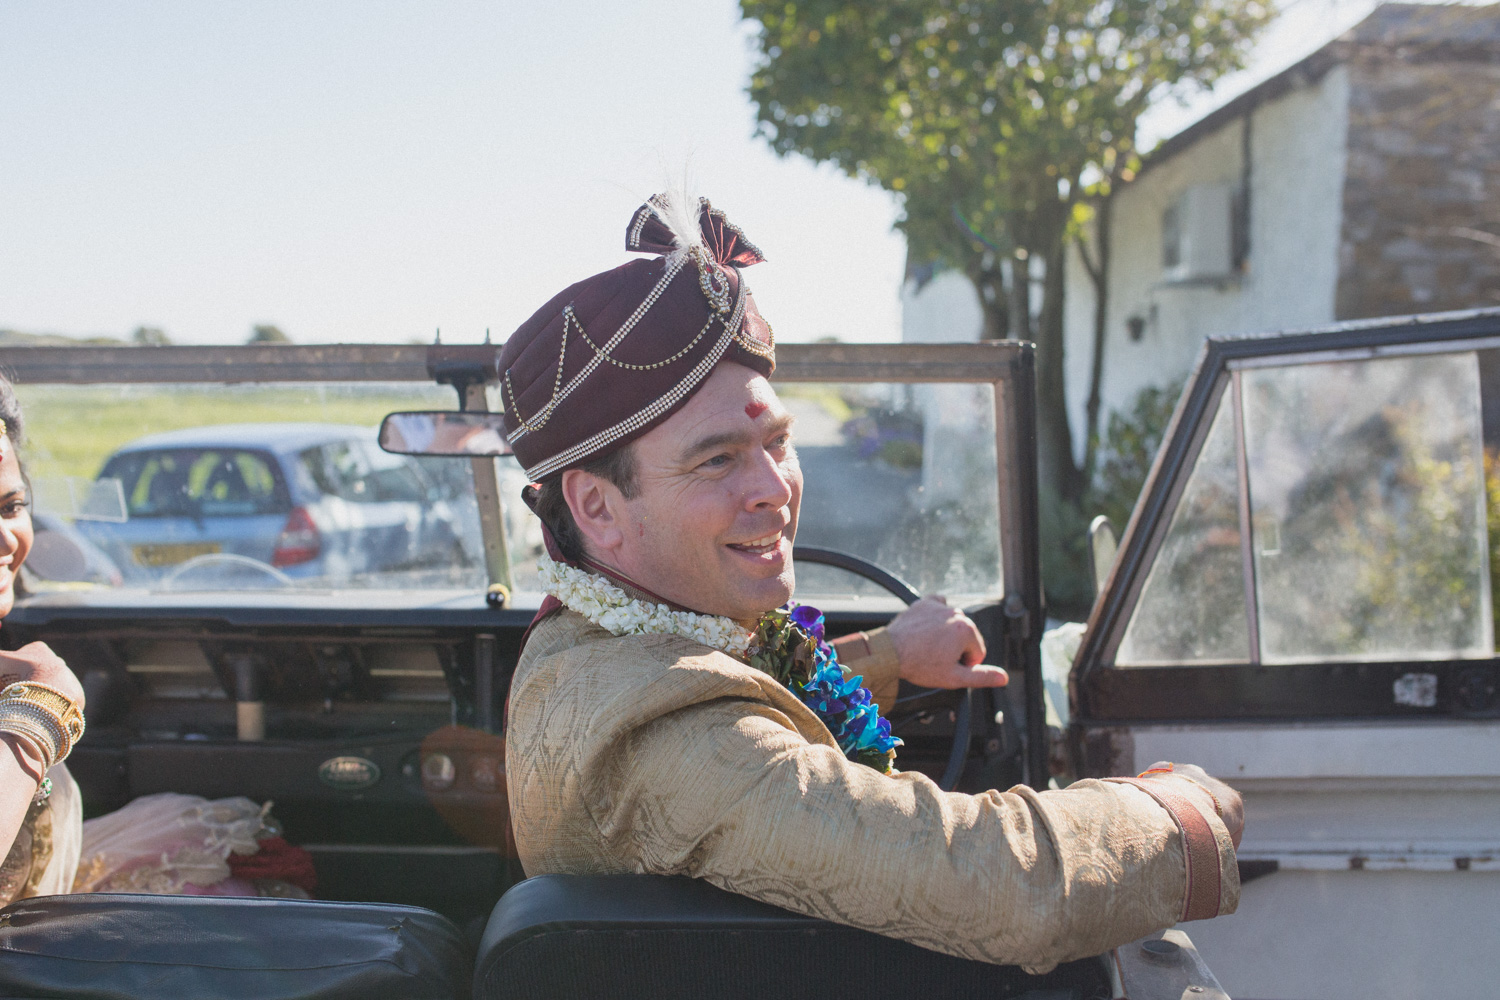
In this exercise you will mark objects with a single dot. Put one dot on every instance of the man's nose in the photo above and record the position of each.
(770, 486)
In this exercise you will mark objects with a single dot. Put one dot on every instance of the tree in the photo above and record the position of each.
(999, 123)
(150, 336)
(267, 333)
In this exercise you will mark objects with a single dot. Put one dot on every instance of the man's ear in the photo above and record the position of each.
(595, 505)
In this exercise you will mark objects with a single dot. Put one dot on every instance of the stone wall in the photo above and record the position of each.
(1421, 221)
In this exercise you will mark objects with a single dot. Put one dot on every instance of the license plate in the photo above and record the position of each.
(171, 555)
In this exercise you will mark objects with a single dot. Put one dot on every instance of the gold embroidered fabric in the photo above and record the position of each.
(656, 754)
(15, 870)
(41, 859)
(30, 853)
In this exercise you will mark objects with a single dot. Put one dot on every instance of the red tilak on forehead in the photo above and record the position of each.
(753, 410)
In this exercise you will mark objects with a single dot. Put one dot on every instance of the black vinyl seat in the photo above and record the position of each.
(137, 947)
(648, 937)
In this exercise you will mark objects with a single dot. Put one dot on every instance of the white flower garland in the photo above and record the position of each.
(609, 607)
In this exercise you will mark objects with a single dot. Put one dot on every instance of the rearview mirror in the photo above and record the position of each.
(1102, 547)
(444, 432)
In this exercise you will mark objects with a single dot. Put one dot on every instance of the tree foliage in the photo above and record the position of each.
(1128, 447)
(267, 333)
(980, 106)
(150, 336)
(998, 123)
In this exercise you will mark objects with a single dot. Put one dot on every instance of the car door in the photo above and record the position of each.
(1303, 603)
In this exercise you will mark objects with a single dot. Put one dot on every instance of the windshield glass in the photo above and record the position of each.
(209, 487)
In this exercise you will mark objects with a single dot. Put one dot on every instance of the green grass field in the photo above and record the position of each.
(71, 430)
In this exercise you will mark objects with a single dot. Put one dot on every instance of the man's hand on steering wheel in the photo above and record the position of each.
(939, 647)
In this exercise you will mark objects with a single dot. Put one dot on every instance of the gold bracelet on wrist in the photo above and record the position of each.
(37, 726)
(50, 698)
(44, 716)
(32, 737)
(32, 719)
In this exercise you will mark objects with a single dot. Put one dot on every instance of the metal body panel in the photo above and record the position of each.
(1371, 844)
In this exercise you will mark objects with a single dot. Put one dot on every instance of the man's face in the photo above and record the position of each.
(715, 512)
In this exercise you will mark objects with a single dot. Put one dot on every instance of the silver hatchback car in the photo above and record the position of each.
(302, 501)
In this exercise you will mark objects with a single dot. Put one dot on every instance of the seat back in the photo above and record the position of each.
(646, 936)
(136, 947)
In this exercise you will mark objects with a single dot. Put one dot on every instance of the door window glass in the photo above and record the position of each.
(1368, 509)
(1192, 608)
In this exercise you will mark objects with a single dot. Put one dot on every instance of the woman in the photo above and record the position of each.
(158, 843)
(41, 713)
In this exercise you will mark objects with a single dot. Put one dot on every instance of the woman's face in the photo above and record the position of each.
(15, 523)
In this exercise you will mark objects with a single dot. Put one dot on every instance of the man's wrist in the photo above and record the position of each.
(872, 655)
(1198, 790)
(1204, 855)
(1203, 789)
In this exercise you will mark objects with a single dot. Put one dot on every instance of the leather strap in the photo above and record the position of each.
(1200, 848)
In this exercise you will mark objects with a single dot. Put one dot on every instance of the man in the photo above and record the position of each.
(642, 739)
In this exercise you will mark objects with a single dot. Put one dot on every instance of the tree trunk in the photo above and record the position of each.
(1008, 314)
(1099, 274)
(989, 282)
(1055, 435)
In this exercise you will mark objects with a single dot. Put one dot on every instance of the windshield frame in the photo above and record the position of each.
(1007, 366)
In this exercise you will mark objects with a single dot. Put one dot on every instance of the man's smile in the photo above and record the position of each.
(760, 547)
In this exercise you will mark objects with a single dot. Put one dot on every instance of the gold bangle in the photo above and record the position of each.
(37, 733)
(40, 723)
(47, 718)
(51, 700)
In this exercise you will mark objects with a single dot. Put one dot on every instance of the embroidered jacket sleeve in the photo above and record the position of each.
(873, 655)
(653, 754)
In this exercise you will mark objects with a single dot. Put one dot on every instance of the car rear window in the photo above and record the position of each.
(199, 482)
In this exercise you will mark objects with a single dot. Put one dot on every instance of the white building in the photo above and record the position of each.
(1362, 181)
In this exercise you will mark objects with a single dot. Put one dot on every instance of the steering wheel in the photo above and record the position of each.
(963, 726)
(221, 570)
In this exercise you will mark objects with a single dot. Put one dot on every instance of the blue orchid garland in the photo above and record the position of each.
(788, 644)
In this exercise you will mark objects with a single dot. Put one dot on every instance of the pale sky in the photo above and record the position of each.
(369, 171)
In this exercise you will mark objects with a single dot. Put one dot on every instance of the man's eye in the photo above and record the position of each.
(717, 462)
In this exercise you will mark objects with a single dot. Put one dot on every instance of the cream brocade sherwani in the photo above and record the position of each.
(657, 754)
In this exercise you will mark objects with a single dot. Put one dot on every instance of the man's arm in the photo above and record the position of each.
(928, 644)
(1010, 877)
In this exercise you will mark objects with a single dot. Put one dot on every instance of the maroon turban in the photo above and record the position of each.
(612, 356)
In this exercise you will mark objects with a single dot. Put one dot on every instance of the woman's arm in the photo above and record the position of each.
(23, 761)
(20, 776)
